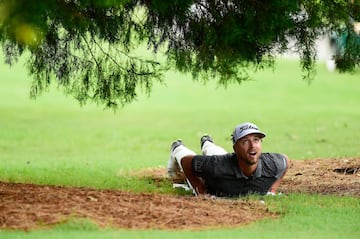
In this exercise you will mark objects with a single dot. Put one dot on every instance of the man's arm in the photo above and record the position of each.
(277, 182)
(196, 183)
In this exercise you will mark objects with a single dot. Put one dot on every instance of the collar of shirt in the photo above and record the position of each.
(239, 173)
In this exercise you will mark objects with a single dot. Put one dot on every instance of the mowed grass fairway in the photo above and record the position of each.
(55, 141)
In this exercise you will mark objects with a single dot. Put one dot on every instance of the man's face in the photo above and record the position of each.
(248, 148)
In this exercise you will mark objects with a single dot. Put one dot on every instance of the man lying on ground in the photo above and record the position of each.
(245, 171)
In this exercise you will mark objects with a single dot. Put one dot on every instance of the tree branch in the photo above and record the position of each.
(92, 54)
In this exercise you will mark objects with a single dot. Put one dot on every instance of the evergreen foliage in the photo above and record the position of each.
(86, 45)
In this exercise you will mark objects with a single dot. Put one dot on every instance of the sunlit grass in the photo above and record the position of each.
(55, 141)
(53, 134)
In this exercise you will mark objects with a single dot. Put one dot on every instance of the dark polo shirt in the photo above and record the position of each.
(224, 178)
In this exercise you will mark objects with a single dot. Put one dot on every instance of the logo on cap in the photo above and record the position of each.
(245, 129)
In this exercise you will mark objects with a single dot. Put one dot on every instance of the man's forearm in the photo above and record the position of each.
(195, 181)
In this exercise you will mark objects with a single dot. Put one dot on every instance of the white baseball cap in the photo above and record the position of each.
(244, 129)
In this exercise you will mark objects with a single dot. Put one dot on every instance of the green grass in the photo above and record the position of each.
(68, 144)
(55, 141)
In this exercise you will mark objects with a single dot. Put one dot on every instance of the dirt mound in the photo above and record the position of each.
(324, 176)
(28, 206)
